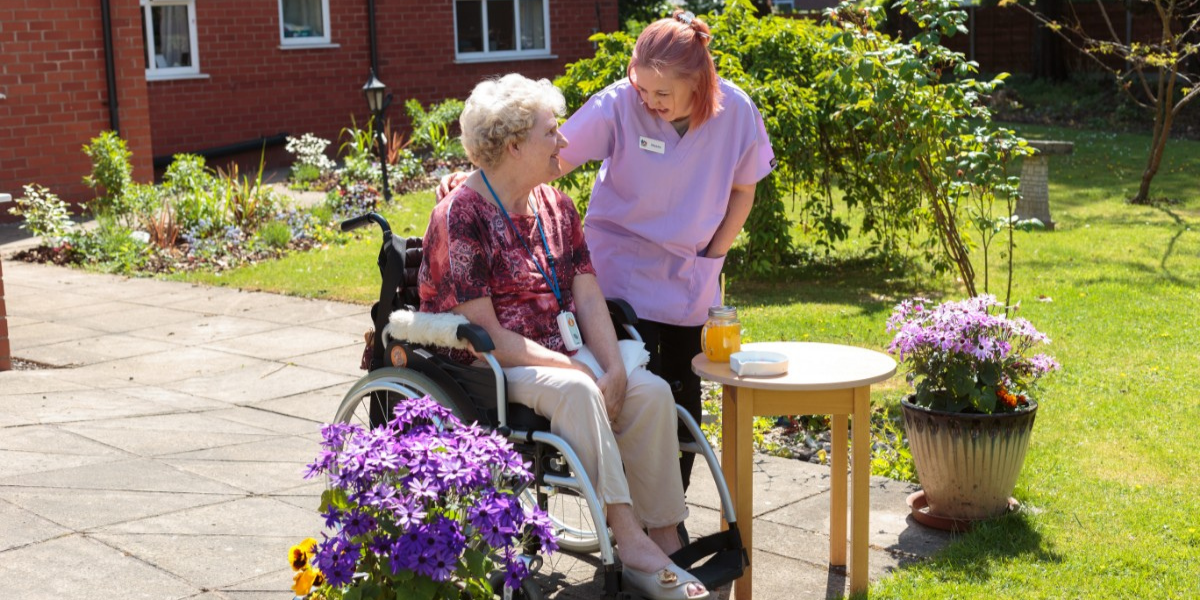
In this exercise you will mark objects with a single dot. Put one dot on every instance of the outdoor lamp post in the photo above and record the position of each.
(378, 100)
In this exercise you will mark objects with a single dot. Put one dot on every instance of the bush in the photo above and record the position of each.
(275, 235)
(111, 170)
(435, 129)
(46, 216)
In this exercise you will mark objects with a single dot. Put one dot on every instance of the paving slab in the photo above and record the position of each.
(44, 333)
(85, 510)
(85, 351)
(284, 342)
(96, 571)
(255, 477)
(316, 406)
(53, 439)
(204, 329)
(256, 380)
(343, 360)
(22, 528)
(270, 420)
(140, 474)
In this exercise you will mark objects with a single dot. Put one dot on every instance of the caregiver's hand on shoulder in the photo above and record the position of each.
(449, 182)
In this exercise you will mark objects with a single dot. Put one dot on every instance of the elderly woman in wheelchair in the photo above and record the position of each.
(510, 310)
(506, 251)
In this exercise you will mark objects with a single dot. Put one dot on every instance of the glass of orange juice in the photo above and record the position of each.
(722, 334)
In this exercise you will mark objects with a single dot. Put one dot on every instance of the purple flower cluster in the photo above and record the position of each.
(421, 495)
(964, 356)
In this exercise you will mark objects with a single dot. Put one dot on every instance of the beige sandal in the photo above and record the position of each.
(669, 583)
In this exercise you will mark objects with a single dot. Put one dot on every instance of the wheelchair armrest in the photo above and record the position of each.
(476, 336)
(622, 313)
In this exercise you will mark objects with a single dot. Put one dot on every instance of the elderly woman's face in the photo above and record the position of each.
(664, 95)
(540, 150)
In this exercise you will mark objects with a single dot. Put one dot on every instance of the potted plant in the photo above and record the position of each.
(422, 507)
(969, 420)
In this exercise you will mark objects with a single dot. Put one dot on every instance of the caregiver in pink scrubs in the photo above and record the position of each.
(682, 151)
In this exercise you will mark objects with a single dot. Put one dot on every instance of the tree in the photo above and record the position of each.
(1159, 75)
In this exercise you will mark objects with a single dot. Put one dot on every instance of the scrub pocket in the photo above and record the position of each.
(705, 287)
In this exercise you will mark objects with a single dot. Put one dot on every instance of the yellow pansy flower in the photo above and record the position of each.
(301, 553)
(305, 579)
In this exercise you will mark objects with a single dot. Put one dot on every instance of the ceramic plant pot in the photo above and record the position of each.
(967, 464)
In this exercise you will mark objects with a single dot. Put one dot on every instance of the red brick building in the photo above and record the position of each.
(221, 75)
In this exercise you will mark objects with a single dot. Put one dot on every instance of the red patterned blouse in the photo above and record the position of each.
(470, 252)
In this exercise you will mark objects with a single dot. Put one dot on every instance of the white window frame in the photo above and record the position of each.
(307, 42)
(487, 54)
(153, 71)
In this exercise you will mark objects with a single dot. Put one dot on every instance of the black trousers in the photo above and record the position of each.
(671, 350)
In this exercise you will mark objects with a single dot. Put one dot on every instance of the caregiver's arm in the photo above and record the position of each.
(741, 199)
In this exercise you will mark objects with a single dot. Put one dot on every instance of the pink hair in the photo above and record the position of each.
(674, 48)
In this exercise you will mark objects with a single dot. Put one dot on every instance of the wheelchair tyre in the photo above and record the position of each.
(377, 393)
(574, 528)
(528, 590)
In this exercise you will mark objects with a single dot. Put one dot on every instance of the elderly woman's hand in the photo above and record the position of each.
(613, 386)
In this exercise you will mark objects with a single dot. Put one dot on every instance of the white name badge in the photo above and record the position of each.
(652, 145)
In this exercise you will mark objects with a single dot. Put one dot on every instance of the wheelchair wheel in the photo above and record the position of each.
(528, 590)
(372, 399)
(574, 528)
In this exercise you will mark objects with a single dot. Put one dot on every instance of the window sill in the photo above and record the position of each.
(318, 46)
(179, 77)
(468, 60)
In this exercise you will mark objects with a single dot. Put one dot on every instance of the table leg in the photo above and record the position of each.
(745, 489)
(861, 488)
(838, 427)
(729, 438)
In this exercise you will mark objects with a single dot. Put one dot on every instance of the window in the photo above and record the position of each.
(496, 29)
(304, 22)
(169, 29)
(784, 6)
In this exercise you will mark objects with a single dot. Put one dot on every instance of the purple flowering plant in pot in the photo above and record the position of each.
(422, 507)
(975, 371)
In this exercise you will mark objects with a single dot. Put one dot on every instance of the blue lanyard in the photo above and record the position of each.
(553, 281)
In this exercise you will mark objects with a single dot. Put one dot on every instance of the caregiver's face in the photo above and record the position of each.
(664, 94)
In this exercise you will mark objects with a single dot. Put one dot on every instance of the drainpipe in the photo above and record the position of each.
(109, 66)
(371, 27)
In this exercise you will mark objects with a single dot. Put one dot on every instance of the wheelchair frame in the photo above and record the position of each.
(479, 395)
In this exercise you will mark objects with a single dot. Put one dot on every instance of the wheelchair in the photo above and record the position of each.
(399, 369)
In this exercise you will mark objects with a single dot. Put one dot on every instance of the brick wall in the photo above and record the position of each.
(52, 72)
(1004, 37)
(256, 89)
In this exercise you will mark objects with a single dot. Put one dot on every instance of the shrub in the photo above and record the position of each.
(46, 216)
(111, 170)
(434, 129)
(276, 235)
(310, 152)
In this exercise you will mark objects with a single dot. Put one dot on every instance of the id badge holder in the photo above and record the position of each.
(569, 330)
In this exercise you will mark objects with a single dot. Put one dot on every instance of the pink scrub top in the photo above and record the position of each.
(659, 197)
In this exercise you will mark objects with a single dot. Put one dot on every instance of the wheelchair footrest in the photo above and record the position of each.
(725, 554)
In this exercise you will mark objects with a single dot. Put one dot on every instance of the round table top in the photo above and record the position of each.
(811, 366)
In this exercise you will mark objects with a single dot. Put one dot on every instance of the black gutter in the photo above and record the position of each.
(235, 148)
(374, 44)
(110, 67)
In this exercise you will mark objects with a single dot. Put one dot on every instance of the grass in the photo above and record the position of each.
(1107, 489)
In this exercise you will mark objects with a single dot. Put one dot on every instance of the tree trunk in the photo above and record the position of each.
(1164, 118)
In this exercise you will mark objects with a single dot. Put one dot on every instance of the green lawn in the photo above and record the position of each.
(1107, 511)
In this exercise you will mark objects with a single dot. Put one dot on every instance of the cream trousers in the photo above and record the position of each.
(647, 442)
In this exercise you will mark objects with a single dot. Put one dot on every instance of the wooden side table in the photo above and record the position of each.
(821, 379)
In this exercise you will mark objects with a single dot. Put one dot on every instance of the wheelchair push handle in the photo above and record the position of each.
(362, 220)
